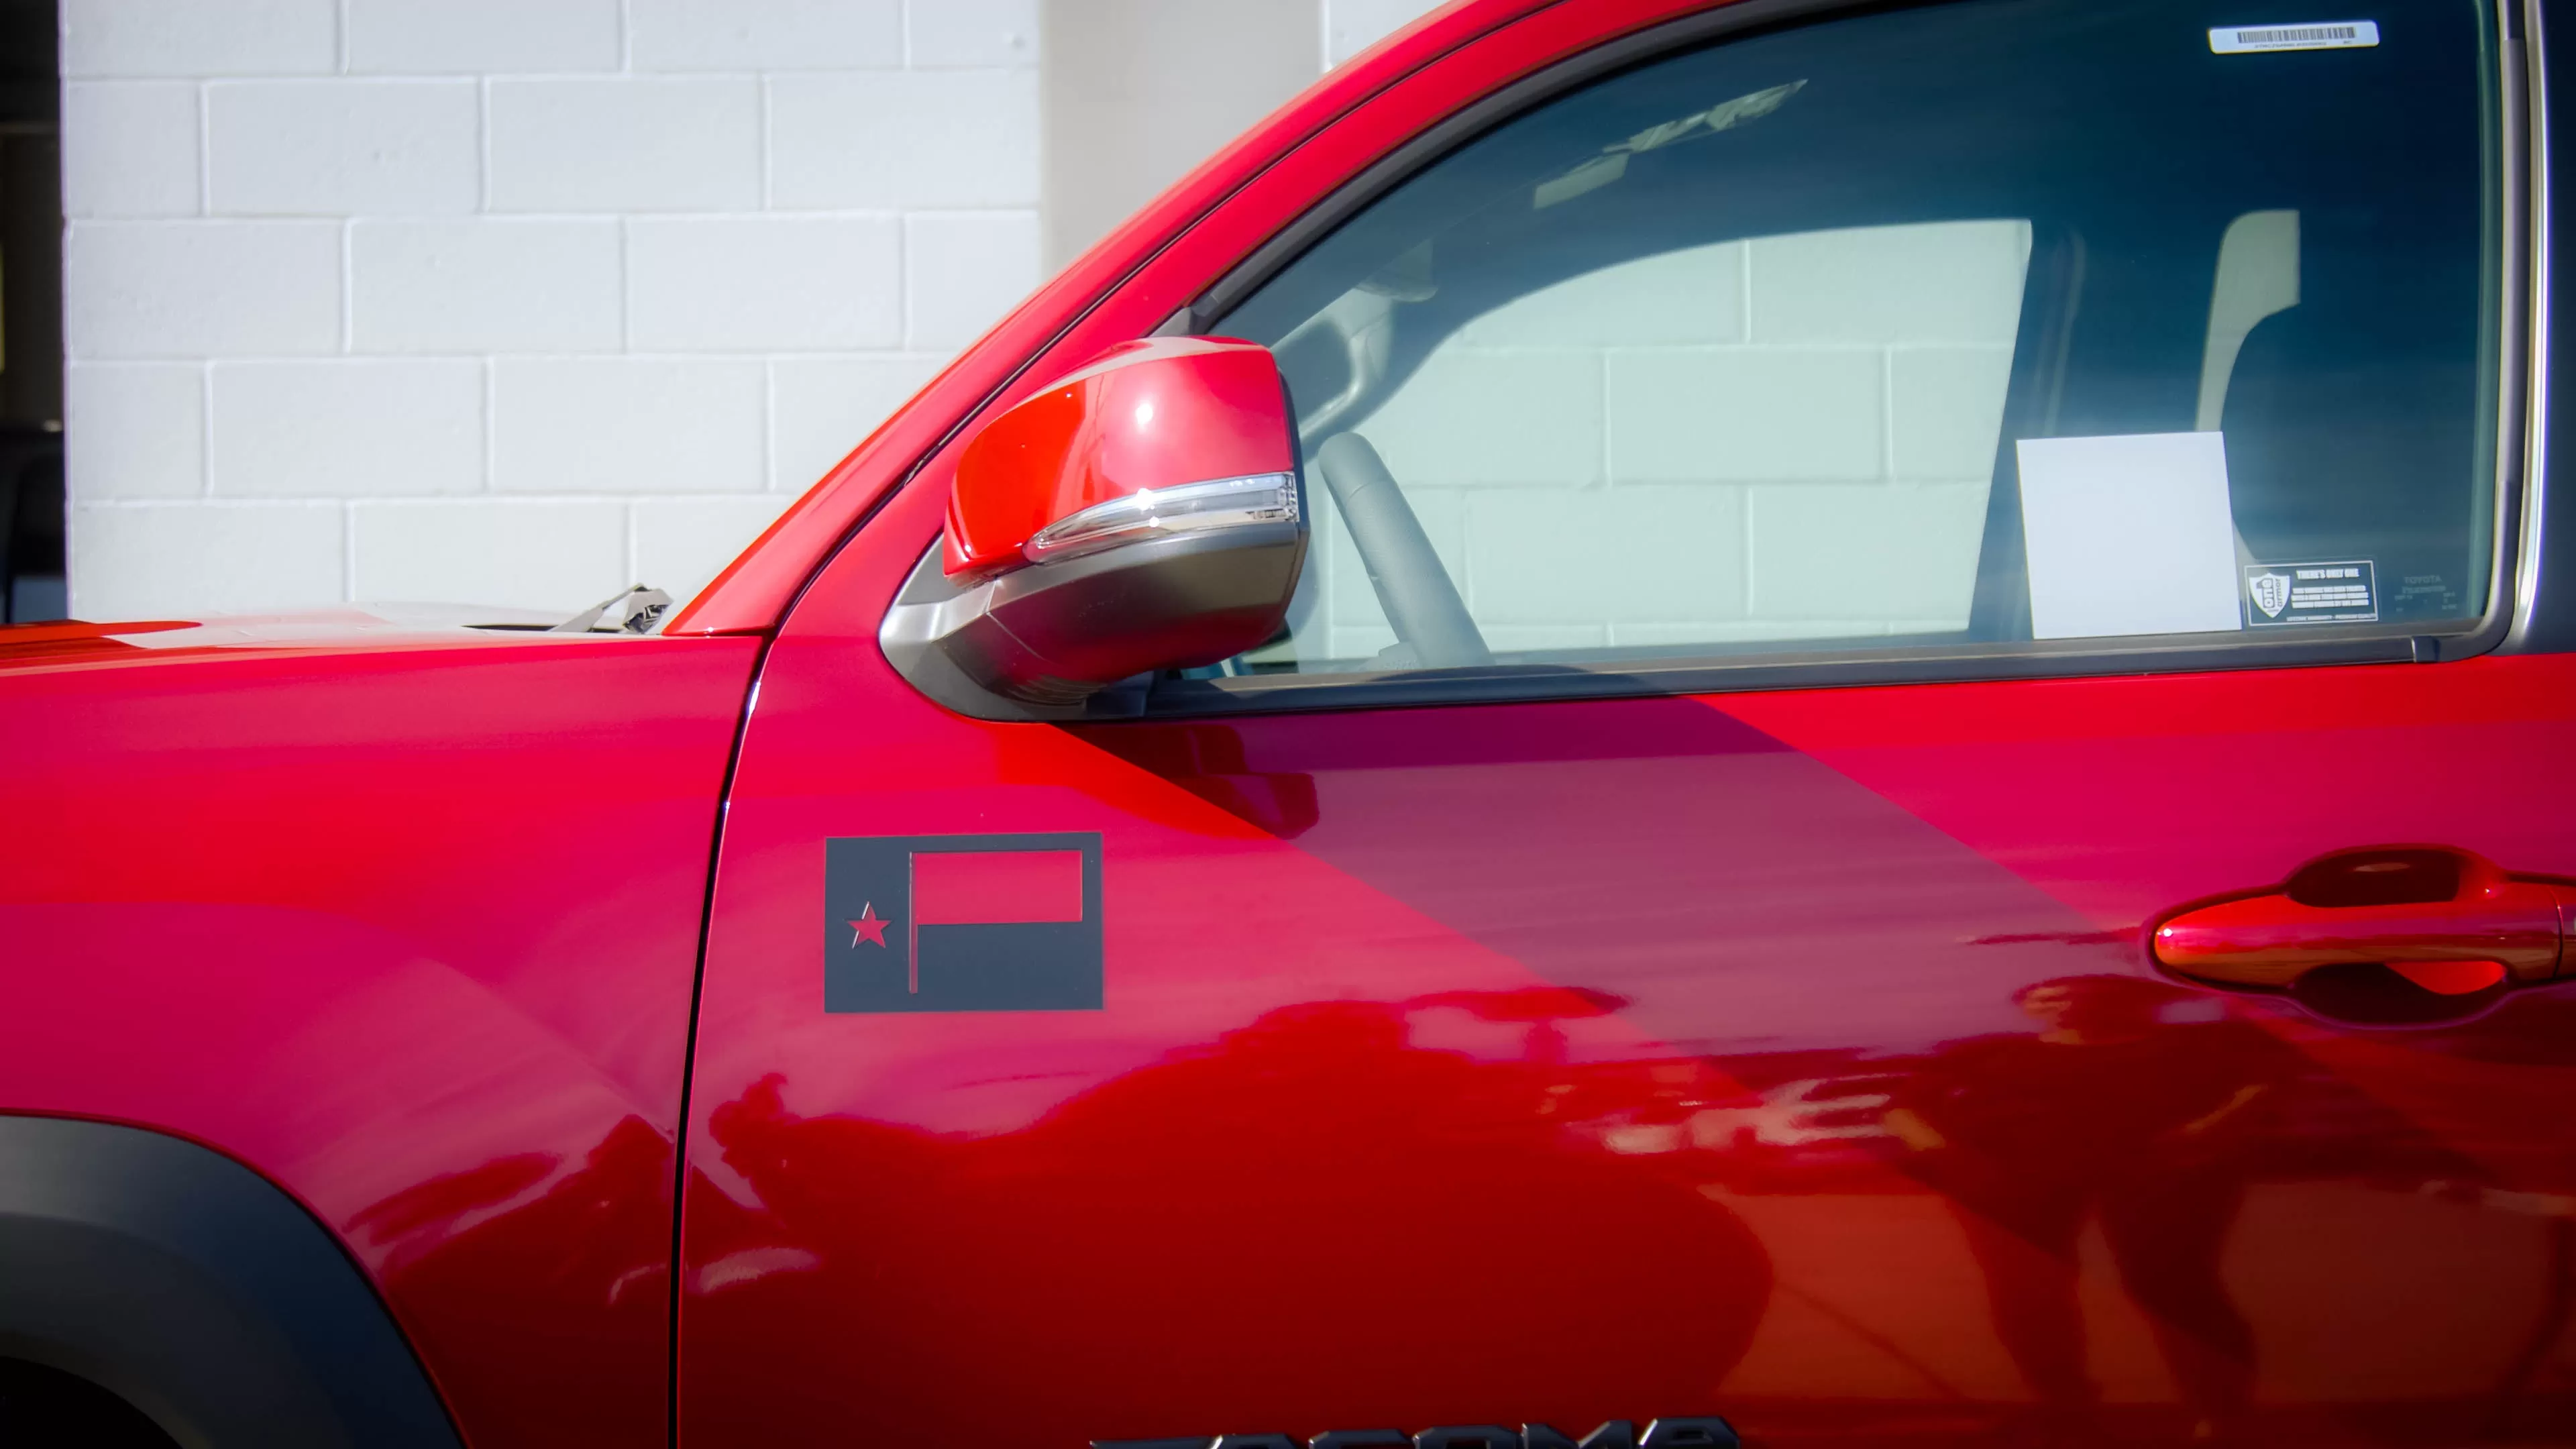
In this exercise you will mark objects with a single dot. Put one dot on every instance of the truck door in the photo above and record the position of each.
(1973, 866)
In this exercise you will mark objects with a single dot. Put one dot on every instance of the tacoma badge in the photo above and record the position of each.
(1617, 1434)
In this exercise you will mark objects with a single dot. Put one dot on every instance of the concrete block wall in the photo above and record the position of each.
(518, 301)
(509, 301)
(1784, 438)
(1351, 26)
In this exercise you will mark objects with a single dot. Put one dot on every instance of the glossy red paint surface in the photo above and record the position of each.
(1794, 1057)
(1153, 413)
(1799, 1048)
(438, 895)
(407, 924)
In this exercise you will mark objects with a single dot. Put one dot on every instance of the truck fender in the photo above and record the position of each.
(199, 1292)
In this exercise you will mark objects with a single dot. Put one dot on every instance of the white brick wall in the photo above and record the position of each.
(201, 38)
(1351, 26)
(509, 301)
(342, 147)
(475, 37)
(326, 428)
(1782, 439)
(517, 301)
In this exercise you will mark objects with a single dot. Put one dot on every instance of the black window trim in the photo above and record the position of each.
(2521, 373)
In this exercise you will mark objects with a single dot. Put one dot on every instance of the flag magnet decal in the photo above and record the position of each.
(962, 923)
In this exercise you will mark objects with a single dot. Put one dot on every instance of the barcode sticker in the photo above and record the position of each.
(2307, 35)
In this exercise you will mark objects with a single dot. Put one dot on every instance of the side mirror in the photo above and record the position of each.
(1139, 514)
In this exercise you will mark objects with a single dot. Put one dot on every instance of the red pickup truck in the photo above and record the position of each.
(1664, 724)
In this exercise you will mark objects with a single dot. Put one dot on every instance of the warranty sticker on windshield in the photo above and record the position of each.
(2342, 592)
(2304, 35)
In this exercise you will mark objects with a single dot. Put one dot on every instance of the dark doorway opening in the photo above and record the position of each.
(32, 573)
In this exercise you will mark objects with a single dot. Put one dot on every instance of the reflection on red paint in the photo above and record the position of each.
(2451, 978)
(1310, 1216)
(995, 887)
(1712, 960)
(575, 1277)
(342, 914)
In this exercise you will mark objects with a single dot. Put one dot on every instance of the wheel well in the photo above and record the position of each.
(42, 1407)
(188, 1287)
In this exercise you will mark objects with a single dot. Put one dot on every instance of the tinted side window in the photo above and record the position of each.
(1963, 325)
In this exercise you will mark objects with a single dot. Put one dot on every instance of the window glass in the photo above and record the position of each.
(1976, 324)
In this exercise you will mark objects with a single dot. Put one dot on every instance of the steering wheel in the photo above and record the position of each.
(1431, 621)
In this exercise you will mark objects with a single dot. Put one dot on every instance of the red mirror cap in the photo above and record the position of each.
(1153, 413)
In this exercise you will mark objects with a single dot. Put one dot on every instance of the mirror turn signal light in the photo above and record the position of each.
(1163, 512)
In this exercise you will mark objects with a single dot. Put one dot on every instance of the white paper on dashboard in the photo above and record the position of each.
(2128, 535)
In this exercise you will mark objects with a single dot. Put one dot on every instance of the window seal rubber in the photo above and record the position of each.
(2539, 619)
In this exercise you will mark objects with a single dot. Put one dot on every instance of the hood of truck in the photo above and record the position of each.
(347, 629)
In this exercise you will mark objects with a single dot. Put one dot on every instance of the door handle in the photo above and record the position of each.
(2450, 921)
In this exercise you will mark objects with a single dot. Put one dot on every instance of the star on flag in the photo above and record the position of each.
(869, 927)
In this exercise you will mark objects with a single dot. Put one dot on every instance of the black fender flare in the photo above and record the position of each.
(199, 1292)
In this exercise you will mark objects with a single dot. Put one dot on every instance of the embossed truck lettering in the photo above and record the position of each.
(1617, 1434)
